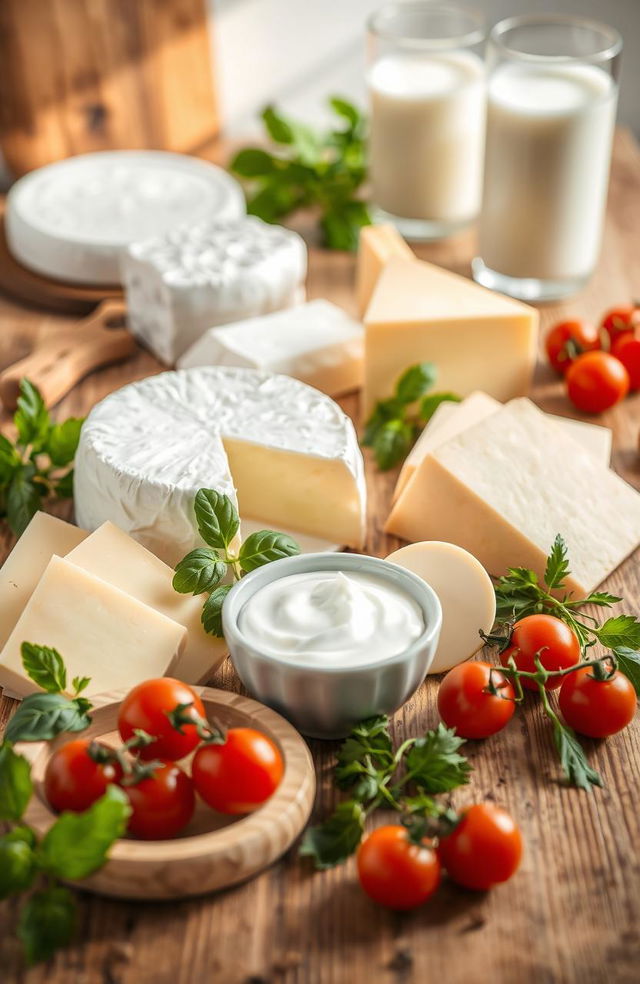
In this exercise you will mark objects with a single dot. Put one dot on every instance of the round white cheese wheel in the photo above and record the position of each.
(465, 591)
(72, 219)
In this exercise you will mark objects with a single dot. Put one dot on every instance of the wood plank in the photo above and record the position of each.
(572, 913)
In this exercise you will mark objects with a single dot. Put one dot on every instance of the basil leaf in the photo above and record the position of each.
(392, 443)
(9, 459)
(23, 499)
(15, 781)
(79, 684)
(17, 865)
(201, 570)
(384, 411)
(47, 922)
(574, 762)
(212, 610)
(557, 567)
(62, 442)
(629, 664)
(337, 838)
(78, 843)
(265, 546)
(432, 401)
(40, 717)
(217, 518)
(434, 763)
(252, 162)
(32, 417)
(415, 381)
(44, 666)
(619, 631)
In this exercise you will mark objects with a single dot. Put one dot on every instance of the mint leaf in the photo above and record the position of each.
(430, 404)
(17, 865)
(384, 411)
(574, 762)
(64, 486)
(40, 717)
(212, 610)
(557, 567)
(200, 571)
(629, 663)
(44, 666)
(336, 839)
(265, 546)
(619, 631)
(9, 459)
(434, 763)
(47, 922)
(252, 162)
(62, 442)
(217, 518)
(78, 843)
(32, 417)
(342, 224)
(392, 443)
(15, 781)
(415, 381)
(345, 109)
(23, 499)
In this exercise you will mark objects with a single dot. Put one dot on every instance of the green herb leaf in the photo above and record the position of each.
(252, 162)
(601, 598)
(434, 762)
(79, 684)
(629, 664)
(346, 109)
(9, 460)
(17, 865)
(277, 127)
(200, 571)
(574, 762)
(619, 631)
(217, 518)
(32, 417)
(40, 717)
(47, 922)
(23, 499)
(212, 610)
(62, 442)
(44, 666)
(557, 567)
(364, 758)
(336, 839)
(15, 781)
(392, 443)
(342, 224)
(78, 843)
(415, 382)
(384, 411)
(265, 546)
(430, 404)
(64, 486)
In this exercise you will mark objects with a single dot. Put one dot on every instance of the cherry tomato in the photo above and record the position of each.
(162, 804)
(73, 781)
(395, 872)
(238, 776)
(596, 381)
(484, 849)
(555, 642)
(597, 708)
(568, 339)
(147, 707)
(620, 320)
(465, 703)
(627, 348)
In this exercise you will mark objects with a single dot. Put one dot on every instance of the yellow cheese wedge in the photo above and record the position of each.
(377, 244)
(120, 560)
(477, 339)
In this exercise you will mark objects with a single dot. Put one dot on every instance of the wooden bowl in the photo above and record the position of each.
(214, 851)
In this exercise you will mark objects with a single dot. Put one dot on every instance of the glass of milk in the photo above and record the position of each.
(426, 81)
(551, 109)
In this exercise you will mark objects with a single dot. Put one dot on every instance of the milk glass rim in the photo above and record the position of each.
(608, 52)
(464, 40)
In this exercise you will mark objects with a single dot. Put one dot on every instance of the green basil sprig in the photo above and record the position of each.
(42, 716)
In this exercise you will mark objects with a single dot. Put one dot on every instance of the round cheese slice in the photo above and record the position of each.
(72, 219)
(465, 591)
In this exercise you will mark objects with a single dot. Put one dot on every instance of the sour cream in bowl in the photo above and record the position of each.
(330, 639)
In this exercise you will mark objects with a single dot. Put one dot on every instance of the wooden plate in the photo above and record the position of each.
(214, 851)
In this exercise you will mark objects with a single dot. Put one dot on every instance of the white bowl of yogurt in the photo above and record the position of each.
(330, 639)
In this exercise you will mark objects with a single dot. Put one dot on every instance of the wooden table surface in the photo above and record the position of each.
(572, 914)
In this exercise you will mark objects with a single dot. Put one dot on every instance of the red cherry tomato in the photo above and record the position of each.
(596, 381)
(547, 636)
(597, 708)
(147, 706)
(466, 704)
(238, 776)
(620, 320)
(163, 804)
(568, 339)
(395, 872)
(484, 849)
(73, 780)
(627, 348)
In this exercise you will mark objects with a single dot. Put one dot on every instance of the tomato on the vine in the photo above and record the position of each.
(567, 340)
(240, 774)
(626, 348)
(484, 848)
(163, 804)
(596, 381)
(620, 320)
(394, 871)
(549, 637)
(147, 706)
(597, 708)
(73, 780)
(476, 699)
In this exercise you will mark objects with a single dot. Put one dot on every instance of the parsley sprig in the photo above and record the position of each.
(376, 775)
(396, 423)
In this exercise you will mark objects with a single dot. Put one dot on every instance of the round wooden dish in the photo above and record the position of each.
(214, 851)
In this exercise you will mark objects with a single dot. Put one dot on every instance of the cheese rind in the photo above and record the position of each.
(99, 631)
(377, 245)
(316, 342)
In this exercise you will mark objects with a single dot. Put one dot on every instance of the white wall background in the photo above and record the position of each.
(297, 52)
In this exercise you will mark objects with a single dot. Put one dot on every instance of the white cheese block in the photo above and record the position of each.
(99, 631)
(505, 487)
(466, 595)
(72, 219)
(209, 273)
(111, 555)
(316, 342)
(44, 536)
(289, 450)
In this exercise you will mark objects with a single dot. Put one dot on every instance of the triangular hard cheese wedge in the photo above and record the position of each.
(376, 246)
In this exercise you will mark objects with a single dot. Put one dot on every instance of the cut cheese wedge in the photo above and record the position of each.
(99, 631)
(44, 536)
(466, 595)
(376, 246)
(505, 487)
(477, 339)
(111, 555)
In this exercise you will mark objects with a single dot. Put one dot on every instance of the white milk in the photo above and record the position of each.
(549, 133)
(427, 135)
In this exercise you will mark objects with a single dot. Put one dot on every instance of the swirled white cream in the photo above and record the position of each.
(331, 619)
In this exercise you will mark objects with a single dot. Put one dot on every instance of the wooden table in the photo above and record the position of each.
(572, 914)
